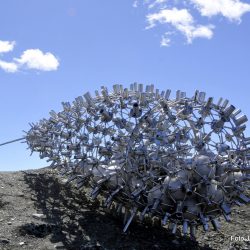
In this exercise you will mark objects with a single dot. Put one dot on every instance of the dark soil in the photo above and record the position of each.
(70, 220)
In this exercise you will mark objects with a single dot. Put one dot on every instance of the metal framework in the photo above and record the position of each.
(183, 160)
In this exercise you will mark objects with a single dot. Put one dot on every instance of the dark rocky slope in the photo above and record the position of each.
(37, 211)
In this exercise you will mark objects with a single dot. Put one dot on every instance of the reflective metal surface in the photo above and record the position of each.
(183, 160)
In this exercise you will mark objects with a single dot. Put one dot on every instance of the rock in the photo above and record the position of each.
(37, 230)
(64, 181)
(59, 246)
(22, 243)
(156, 246)
(90, 245)
(5, 241)
(87, 238)
(176, 242)
(9, 223)
(20, 194)
(39, 216)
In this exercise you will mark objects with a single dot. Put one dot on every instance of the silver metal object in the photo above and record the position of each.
(184, 160)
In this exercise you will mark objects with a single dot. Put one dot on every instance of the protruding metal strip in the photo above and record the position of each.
(165, 218)
(193, 230)
(8, 142)
(145, 210)
(174, 228)
(133, 213)
(185, 227)
(215, 224)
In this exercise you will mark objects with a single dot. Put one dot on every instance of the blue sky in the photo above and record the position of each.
(54, 51)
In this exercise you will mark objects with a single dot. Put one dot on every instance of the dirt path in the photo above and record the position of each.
(38, 212)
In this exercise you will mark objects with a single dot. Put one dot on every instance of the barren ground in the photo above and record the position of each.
(70, 220)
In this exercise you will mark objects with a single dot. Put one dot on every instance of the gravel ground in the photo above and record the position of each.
(38, 211)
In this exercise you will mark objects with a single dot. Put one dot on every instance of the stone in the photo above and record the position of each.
(20, 194)
(59, 245)
(176, 242)
(39, 216)
(5, 241)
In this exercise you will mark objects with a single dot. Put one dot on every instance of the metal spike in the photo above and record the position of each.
(140, 88)
(80, 184)
(119, 208)
(131, 87)
(133, 213)
(240, 120)
(204, 222)
(193, 230)
(229, 110)
(202, 96)
(236, 112)
(183, 95)
(145, 210)
(226, 208)
(165, 218)
(156, 204)
(185, 227)
(135, 86)
(152, 88)
(244, 198)
(110, 197)
(225, 103)
(71, 178)
(227, 217)
(173, 228)
(126, 215)
(178, 95)
(97, 93)
(88, 97)
(238, 203)
(167, 94)
(220, 101)
(215, 224)
(95, 192)
(196, 94)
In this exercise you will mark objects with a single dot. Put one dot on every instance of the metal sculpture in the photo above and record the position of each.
(183, 160)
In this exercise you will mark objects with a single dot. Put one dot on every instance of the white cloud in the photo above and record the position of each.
(165, 40)
(29, 59)
(6, 46)
(9, 67)
(173, 16)
(178, 15)
(36, 59)
(231, 9)
(156, 3)
(135, 4)
(199, 31)
(181, 20)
